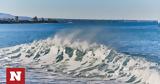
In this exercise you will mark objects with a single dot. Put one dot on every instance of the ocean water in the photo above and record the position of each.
(138, 40)
(82, 52)
(14, 34)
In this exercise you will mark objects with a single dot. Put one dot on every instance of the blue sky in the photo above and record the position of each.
(88, 9)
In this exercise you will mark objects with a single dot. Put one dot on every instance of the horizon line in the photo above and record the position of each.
(84, 18)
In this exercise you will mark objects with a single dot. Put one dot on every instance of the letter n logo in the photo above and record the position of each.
(15, 76)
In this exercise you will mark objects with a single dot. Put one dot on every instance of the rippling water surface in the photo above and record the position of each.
(116, 46)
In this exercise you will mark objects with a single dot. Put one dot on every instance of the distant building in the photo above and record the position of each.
(42, 19)
(16, 19)
(35, 19)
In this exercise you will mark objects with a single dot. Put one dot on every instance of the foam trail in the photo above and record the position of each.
(82, 59)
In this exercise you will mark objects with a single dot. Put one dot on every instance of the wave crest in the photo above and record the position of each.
(82, 59)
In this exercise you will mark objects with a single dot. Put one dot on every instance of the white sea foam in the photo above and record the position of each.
(81, 59)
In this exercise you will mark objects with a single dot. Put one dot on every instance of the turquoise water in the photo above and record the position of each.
(138, 40)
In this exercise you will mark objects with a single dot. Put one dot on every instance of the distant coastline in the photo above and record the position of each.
(12, 19)
(35, 19)
(25, 22)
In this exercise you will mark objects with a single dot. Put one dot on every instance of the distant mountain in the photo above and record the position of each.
(3, 16)
(6, 16)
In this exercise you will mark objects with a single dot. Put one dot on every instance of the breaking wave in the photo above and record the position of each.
(78, 58)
